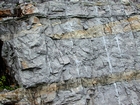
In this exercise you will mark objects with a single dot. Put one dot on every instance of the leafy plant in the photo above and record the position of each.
(3, 78)
(3, 86)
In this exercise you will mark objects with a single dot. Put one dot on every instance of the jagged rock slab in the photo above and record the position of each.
(38, 55)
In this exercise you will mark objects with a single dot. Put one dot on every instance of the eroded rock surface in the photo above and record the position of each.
(73, 52)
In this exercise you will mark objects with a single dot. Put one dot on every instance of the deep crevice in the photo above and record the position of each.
(9, 104)
(2, 64)
(5, 71)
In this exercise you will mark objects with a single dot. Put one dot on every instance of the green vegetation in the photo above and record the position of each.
(3, 86)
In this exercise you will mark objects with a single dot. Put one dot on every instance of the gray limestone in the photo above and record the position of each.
(37, 57)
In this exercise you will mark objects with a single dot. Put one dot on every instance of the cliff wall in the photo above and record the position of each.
(75, 52)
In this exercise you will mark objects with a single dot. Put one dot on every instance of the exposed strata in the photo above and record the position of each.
(44, 94)
(74, 52)
(112, 28)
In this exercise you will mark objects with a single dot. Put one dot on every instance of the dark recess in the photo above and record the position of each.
(6, 71)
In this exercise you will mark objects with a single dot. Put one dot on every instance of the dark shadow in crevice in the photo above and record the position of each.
(9, 104)
(5, 71)
(2, 64)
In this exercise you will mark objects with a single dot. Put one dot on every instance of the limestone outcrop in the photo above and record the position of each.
(75, 52)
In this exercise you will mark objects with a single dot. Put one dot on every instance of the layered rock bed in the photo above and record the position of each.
(75, 52)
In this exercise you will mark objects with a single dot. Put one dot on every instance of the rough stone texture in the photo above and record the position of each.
(75, 52)
(123, 89)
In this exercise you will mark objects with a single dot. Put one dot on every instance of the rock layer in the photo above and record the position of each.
(73, 52)
(84, 88)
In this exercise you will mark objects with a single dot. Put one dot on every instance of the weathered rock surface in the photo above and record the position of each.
(122, 87)
(75, 52)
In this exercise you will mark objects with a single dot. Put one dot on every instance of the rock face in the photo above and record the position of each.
(75, 52)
